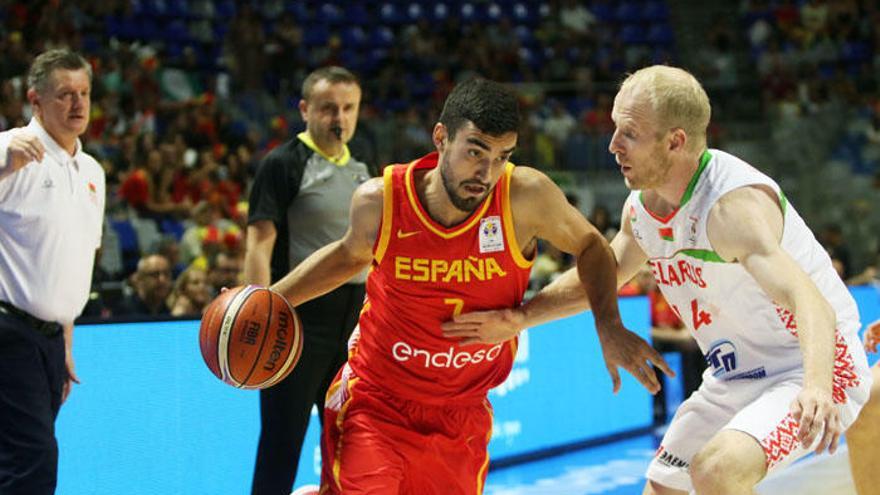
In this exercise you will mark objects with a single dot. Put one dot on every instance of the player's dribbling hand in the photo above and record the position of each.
(623, 348)
(484, 327)
(24, 148)
(872, 336)
(814, 409)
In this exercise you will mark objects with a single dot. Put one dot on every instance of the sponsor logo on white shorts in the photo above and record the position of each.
(669, 459)
(450, 358)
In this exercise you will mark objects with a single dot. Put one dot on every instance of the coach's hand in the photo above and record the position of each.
(623, 348)
(484, 327)
(814, 409)
(24, 148)
(71, 375)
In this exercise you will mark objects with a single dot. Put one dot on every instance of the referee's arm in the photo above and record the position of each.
(258, 252)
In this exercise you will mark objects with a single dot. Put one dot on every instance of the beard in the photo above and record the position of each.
(467, 205)
(653, 177)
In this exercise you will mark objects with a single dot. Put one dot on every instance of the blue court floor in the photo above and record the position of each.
(613, 469)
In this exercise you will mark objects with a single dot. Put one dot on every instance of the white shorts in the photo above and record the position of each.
(759, 408)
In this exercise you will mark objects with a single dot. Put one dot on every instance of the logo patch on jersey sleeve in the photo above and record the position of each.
(491, 236)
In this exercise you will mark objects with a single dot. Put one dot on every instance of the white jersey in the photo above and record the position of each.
(741, 331)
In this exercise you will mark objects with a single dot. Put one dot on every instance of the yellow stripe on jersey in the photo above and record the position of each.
(482, 473)
(509, 231)
(414, 203)
(387, 213)
(337, 458)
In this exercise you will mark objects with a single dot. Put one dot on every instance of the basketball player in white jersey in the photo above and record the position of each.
(787, 373)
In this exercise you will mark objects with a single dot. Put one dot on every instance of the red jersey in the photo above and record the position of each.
(422, 274)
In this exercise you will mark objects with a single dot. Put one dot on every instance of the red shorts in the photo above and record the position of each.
(376, 443)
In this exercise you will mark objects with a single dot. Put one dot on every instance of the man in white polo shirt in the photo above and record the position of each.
(51, 211)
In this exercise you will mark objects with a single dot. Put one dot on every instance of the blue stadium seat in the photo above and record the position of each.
(604, 12)
(173, 227)
(471, 12)
(660, 34)
(494, 12)
(128, 241)
(655, 11)
(357, 14)
(524, 13)
(628, 12)
(439, 11)
(176, 32)
(390, 13)
(315, 35)
(414, 12)
(382, 37)
(178, 9)
(632, 34)
(354, 36)
(330, 14)
(225, 9)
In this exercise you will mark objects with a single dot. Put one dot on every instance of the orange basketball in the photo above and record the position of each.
(250, 337)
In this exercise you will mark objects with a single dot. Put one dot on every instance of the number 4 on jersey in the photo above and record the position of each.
(700, 317)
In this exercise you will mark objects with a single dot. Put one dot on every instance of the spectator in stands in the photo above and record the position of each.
(150, 286)
(225, 271)
(191, 293)
(205, 216)
(834, 242)
(168, 247)
(603, 221)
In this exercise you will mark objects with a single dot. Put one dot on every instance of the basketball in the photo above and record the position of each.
(250, 337)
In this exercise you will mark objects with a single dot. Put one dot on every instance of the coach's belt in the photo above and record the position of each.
(47, 328)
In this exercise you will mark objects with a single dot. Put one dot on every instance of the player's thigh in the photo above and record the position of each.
(360, 453)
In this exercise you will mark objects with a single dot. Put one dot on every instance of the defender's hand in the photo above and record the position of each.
(623, 348)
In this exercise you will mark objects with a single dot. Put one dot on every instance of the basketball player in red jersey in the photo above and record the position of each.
(453, 231)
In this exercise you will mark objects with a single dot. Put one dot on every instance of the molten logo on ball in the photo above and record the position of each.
(250, 337)
(281, 344)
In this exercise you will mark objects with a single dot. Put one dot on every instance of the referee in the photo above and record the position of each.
(51, 211)
(299, 203)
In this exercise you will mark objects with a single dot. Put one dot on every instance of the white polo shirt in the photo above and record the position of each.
(51, 214)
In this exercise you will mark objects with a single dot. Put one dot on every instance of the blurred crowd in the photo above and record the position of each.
(188, 95)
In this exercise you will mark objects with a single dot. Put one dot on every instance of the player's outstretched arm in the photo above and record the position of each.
(591, 284)
(746, 226)
(337, 262)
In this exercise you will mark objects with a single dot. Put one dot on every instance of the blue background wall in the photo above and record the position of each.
(150, 418)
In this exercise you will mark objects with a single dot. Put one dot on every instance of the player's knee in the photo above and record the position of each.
(717, 469)
(707, 469)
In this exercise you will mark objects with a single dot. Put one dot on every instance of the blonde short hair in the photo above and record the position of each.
(677, 98)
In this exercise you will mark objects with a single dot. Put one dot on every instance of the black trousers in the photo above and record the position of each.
(32, 376)
(285, 407)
